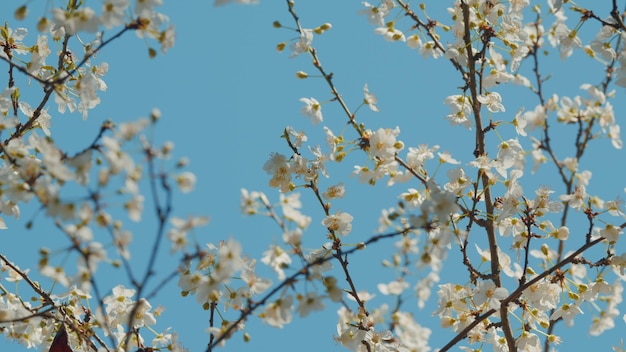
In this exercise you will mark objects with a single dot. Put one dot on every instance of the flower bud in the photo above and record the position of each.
(155, 115)
(322, 28)
(21, 12)
(182, 162)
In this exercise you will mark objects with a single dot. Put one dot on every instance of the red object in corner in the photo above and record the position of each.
(60, 342)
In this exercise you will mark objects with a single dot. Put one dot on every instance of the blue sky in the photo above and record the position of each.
(226, 94)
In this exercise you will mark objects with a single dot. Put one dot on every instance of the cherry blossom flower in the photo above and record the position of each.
(571, 164)
(118, 160)
(181, 227)
(292, 214)
(383, 144)
(167, 38)
(529, 342)
(320, 256)
(458, 181)
(497, 341)
(186, 181)
(613, 208)
(334, 292)
(5, 105)
(493, 100)
(568, 40)
(298, 137)
(545, 253)
(256, 284)
(208, 290)
(249, 201)
(510, 155)
(312, 109)
(376, 15)
(441, 204)
(290, 201)
(412, 335)
(119, 303)
(417, 156)
(310, 302)
(393, 288)
(334, 192)
(611, 233)
(293, 237)
(280, 170)
(38, 54)
(128, 130)
(413, 198)
(51, 157)
(277, 259)
(543, 295)
(83, 19)
(13, 275)
(340, 223)
(143, 316)
(390, 33)
(600, 43)
(460, 110)
(567, 312)
(614, 134)
(543, 203)
(510, 226)
(562, 233)
(577, 199)
(498, 73)
(430, 49)
(413, 41)
(43, 120)
(350, 337)
(113, 13)
(135, 207)
(278, 313)
(12, 38)
(63, 100)
(319, 164)
(484, 164)
(304, 44)
(370, 99)
(87, 86)
(145, 8)
(81, 164)
(446, 158)
(520, 123)
(452, 298)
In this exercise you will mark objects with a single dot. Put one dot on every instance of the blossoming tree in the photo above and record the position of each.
(528, 258)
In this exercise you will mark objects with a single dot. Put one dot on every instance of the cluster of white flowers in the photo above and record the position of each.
(76, 76)
(506, 303)
(496, 30)
(213, 272)
(37, 169)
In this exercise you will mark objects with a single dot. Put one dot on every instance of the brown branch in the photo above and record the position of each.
(43, 294)
(51, 84)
